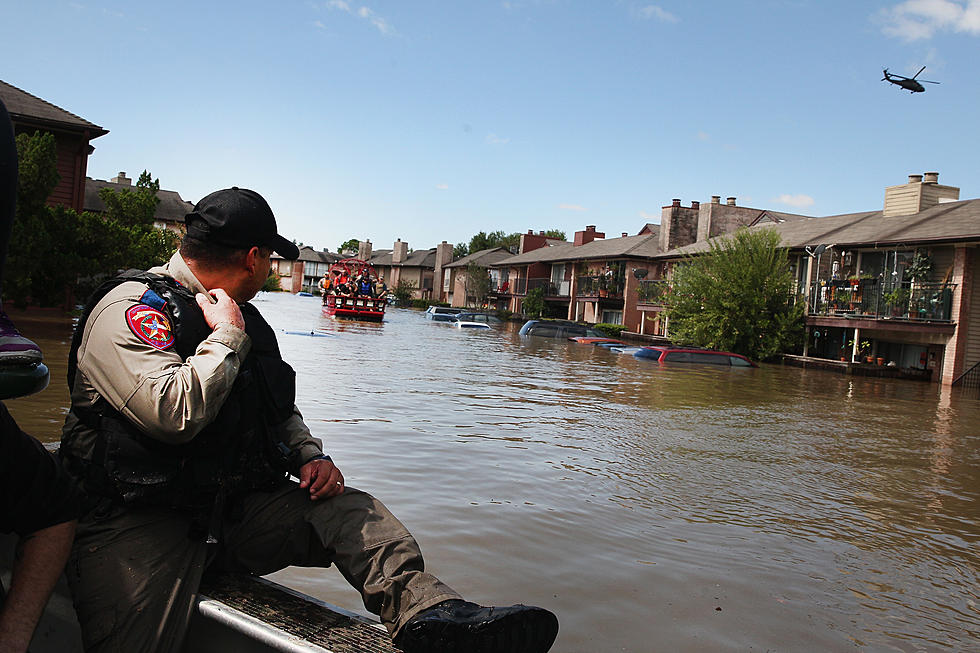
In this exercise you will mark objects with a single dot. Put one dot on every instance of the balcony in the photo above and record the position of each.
(551, 289)
(870, 299)
(652, 291)
(599, 286)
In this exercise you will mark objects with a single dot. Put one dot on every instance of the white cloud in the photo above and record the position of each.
(704, 136)
(798, 201)
(914, 20)
(442, 186)
(365, 13)
(376, 20)
(572, 207)
(319, 24)
(493, 139)
(658, 13)
(649, 217)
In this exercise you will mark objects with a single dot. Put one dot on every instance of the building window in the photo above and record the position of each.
(612, 317)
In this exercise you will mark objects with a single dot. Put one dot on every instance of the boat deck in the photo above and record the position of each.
(272, 617)
(235, 612)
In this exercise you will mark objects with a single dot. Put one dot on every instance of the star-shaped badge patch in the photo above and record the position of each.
(150, 325)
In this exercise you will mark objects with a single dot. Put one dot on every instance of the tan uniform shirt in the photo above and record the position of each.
(168, 398)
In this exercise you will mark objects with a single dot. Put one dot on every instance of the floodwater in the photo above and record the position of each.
(652, 508)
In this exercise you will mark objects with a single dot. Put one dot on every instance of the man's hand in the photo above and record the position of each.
(323, 479)
(223, 309)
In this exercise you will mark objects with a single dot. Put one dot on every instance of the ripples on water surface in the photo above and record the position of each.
(653, 508)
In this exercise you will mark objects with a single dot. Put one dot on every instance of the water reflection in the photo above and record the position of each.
(653, 507)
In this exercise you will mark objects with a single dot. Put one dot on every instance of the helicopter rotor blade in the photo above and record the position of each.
(918, 73)
(926, 81)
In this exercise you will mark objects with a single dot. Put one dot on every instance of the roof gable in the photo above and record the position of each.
(24, 107)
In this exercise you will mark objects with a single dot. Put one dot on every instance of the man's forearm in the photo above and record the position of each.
(38, 564)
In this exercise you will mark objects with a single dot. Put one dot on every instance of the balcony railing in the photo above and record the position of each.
(652, 291)
(551, 289)
(872, 299)
(599, 286)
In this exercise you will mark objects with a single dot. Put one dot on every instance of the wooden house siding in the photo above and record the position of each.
(972, 356)
(942, 263)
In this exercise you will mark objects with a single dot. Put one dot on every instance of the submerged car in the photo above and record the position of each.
(665, 354)
(442, 313)
(586, 340)
(557, 329)
(464, 324)
(485, 318)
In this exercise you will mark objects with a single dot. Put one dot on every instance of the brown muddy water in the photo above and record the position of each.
(652, 508)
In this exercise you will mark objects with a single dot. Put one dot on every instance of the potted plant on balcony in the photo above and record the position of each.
(897, 300)
(865, 348)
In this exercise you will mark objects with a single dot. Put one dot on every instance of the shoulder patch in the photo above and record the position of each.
(150, 325)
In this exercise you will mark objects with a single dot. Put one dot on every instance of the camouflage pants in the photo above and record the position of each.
(129, 568)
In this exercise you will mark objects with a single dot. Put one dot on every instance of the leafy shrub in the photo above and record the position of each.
(611, 330)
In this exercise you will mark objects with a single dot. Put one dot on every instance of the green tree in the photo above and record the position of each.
(477, 283)
(534, 304)
(273, 282)
(737, 297)
(349, 246)
(56, 254)
(403, 291)
(43, 252)
(483, 240)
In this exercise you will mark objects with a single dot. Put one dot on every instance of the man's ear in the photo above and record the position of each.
(251, 259)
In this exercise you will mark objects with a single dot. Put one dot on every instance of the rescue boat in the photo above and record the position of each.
(356, 306)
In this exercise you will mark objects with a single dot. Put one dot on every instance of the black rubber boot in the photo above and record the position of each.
(463, 627)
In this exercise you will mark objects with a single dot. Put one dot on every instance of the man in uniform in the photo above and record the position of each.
(183, 429)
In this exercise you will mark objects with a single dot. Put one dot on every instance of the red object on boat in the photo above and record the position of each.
(355, 307)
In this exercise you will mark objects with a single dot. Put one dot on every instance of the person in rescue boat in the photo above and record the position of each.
(184, 431)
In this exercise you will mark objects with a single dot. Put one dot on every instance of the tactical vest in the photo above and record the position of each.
(238, 451)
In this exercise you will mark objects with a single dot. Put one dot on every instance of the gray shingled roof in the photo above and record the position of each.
(24, 107)
(307, 253)
(172, 208)
(484, 257)
(538, 255)
(643, 246)
(420, 258)
(947, 222)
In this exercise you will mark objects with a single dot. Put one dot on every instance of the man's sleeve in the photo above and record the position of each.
(166, 397)
(297, 437)
(35, 492)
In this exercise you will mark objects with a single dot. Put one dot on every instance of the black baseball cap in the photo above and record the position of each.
(237, 217)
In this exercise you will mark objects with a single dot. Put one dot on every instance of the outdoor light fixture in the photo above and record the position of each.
(640, 273)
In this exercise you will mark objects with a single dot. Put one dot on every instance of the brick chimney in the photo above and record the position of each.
(587, 236)
(531, 241)
(678, 225)
(364, 249)
(920, 193)
(717, 219)
(122, 179)
(444, 256)
(399, 252)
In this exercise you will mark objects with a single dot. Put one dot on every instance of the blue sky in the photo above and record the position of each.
(430, 121)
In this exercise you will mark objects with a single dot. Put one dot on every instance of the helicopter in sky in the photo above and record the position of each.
(909, 83)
